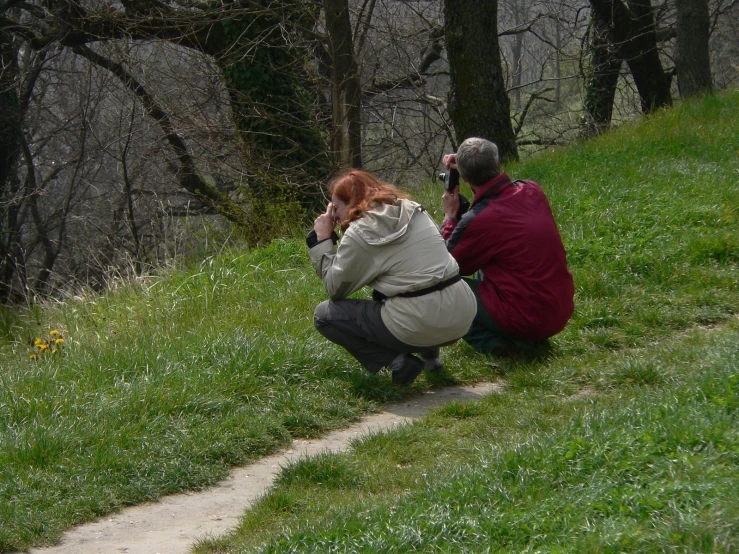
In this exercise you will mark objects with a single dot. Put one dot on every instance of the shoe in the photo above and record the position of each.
(509, 351)
(411, 368)
(541, 350)
(432, 365)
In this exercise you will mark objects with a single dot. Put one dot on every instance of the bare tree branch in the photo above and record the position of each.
(535, 96)
(188, 176)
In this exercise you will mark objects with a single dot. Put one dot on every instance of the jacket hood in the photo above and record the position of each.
(386, 223)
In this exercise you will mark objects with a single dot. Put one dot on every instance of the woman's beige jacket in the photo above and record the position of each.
(396, 249)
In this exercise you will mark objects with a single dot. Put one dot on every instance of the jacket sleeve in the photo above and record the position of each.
(447, 227)
(467, 244)
(344, 270)
(312, 238)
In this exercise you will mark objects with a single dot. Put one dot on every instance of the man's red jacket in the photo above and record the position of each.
(511, 236)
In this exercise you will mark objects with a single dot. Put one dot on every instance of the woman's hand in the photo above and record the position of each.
(325, 223)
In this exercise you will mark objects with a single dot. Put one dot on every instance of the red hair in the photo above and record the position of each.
(359, 190)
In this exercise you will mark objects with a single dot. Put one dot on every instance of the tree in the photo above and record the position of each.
(478, 101)
(604, 70)
(398, 52)
(9, 106)
(632, 34)
(346, 90)
(119, 121)
(520, 12)
(693, 60)
(52, 150)
(254, 43)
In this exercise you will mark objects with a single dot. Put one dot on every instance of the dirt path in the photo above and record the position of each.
(171, 525)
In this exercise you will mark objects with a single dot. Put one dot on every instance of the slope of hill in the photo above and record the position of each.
(162, 386)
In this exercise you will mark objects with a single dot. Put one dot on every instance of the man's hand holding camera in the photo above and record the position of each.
(453, 203)
(450, 198)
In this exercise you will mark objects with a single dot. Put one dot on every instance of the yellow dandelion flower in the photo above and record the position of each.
(33, 356)
(60, 341)
(53, 351)
(54, 332)
(43, 347)
(38, 342)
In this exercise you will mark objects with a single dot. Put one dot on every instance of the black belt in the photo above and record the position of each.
(376, 295)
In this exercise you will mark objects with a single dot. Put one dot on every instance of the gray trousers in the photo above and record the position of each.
(357, 326)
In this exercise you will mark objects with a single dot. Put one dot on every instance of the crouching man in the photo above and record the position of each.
(509, 239)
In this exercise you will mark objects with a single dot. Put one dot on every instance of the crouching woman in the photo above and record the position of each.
(392, 245)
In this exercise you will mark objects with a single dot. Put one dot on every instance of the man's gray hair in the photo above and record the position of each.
(478, 161)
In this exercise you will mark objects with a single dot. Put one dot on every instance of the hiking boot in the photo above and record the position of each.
(510, 351)
(540, 350)
(408, 371)
(432, 365)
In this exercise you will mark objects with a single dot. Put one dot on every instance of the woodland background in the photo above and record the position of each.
(136, 135)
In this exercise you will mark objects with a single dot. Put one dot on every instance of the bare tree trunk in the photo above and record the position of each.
(478, 101)
(693, 60)
(600, 86)
(558, 63)
(11, 197)
(632, 33)
(346, 90)
(128, 196)
(9, 149)
(9, 108)
(520, 13)
(517, 51)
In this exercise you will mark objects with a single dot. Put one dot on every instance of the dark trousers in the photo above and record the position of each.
(486, 336)
(357, 326)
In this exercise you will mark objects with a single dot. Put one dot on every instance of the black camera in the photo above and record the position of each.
(451, 181)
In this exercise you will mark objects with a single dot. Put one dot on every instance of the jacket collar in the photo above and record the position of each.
(491, 188)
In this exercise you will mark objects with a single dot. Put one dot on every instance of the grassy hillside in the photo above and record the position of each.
(163, 385)
(650, 464)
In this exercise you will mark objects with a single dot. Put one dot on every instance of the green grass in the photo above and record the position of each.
(625, 440)
(642, 469)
